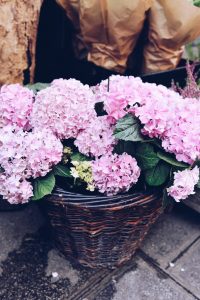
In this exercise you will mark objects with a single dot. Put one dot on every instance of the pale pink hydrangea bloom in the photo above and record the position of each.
(30, 154)
(114, 173)
(183, 137)
(13, 152)
(15, 105)
(184, 183)
(44, 151)
(174, 120)
(123, 91)
(97, 138)
(15, 189)
(158, 110)
(65, 108)
(127, 91)
(24, 155)
(163, 113)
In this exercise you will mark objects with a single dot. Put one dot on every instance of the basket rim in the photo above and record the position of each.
(99, 202)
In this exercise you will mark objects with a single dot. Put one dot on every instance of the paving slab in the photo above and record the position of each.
(145, 283)
(15, 225)
(28, 271)
(187, 269)
(32, 269)
(59, 267)
(172, 234)
(194, 201)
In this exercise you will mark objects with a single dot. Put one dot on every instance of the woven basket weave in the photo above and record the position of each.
(100, 231)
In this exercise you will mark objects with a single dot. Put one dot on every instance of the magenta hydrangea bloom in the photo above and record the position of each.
(65, 108)
(97, 138)
(15, 105)
(25, 155)
(184, 183)
(114, 173)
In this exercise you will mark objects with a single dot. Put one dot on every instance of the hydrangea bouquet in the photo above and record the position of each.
(121, 135)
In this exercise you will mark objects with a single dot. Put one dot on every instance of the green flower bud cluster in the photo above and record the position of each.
(83, 171)
(67, 151)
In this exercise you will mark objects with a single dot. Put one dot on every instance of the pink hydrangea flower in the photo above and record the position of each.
(65, 108)
(174, 120)
(28, 153)
(123, 91)
(183, 137)
(158, 110)
(44, 151)
(15, 105)
(15, 189)
(13, 152)
(114, 173)
(163, 113)
(184, 183)
(25, 155)
(97, 138)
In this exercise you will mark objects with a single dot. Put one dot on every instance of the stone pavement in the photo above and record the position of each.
(167, 267)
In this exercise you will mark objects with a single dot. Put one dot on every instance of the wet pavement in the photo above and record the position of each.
(166, 267)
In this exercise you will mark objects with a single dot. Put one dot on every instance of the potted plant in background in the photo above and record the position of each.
(195, 2)
(101, 158)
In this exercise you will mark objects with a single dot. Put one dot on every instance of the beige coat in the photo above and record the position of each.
(107, 31)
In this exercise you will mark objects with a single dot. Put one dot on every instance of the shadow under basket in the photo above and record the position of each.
(99, 231)
(6, 206)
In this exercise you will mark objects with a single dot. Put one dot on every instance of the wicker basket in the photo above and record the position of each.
(100, 231)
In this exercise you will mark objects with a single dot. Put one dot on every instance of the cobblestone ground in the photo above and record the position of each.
(166, 267)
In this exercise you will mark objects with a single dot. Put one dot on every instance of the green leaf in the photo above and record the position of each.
(128, 129)
(38, 86)
(157, 143)
(43, 186)
(79, 157)
(125, 146)
(167, 201)
(146, 156)
(170, 160)
(157, 175)
(60, 170)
